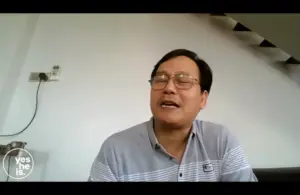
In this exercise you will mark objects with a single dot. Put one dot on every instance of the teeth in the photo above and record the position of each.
(168, 106)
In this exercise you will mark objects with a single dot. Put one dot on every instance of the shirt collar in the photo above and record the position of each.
(153, 138)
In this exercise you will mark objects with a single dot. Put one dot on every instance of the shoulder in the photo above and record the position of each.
(117, 147)
(217, 136)
(127, 138)
(210, 130)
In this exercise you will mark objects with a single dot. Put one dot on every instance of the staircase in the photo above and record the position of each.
(277, 57)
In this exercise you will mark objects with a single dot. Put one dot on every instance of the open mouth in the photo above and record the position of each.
(169, 104)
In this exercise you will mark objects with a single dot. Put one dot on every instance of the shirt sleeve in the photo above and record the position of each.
(103, 167)
(235, 166)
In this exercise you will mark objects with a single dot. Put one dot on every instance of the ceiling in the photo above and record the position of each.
(282, 30)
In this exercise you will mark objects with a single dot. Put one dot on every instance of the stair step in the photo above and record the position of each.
(240, 27)
(271, 54)
(223, 22)
(266, 43)
(292, 60)
(248, 37)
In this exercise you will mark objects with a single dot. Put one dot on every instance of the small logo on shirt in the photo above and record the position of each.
(208, 167)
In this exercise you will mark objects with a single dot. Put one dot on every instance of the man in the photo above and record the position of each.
(173, 145)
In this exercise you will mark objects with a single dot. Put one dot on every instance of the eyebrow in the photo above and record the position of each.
(164, 72)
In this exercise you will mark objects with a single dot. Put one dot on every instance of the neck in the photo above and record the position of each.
(174, 140)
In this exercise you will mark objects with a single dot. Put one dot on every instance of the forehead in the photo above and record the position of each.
(180, 64)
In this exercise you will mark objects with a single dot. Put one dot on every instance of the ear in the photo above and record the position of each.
(204, 96)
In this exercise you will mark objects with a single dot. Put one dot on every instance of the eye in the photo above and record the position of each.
(182, 78)
(160, 78)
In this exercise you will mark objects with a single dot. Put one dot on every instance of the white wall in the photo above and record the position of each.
(15, 35)
(106, 61)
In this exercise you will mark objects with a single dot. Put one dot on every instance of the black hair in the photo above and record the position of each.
(204, 69)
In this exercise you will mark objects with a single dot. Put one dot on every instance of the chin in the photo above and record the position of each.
(169, 119)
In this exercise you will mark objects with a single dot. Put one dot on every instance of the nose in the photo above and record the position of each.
(170, 87)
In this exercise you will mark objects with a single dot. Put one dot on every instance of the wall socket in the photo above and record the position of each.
(52, 76)
(34, 76)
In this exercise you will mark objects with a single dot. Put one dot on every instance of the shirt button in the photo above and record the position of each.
(157, 147)
(193, 135)
(180, 174)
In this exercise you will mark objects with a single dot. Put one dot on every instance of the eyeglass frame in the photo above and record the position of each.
(170, 77)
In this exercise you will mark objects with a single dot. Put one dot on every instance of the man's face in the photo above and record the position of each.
(173, 105)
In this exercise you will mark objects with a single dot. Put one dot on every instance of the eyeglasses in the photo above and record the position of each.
(181, 81)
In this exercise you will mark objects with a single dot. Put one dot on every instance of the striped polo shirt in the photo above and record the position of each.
(212, 154)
